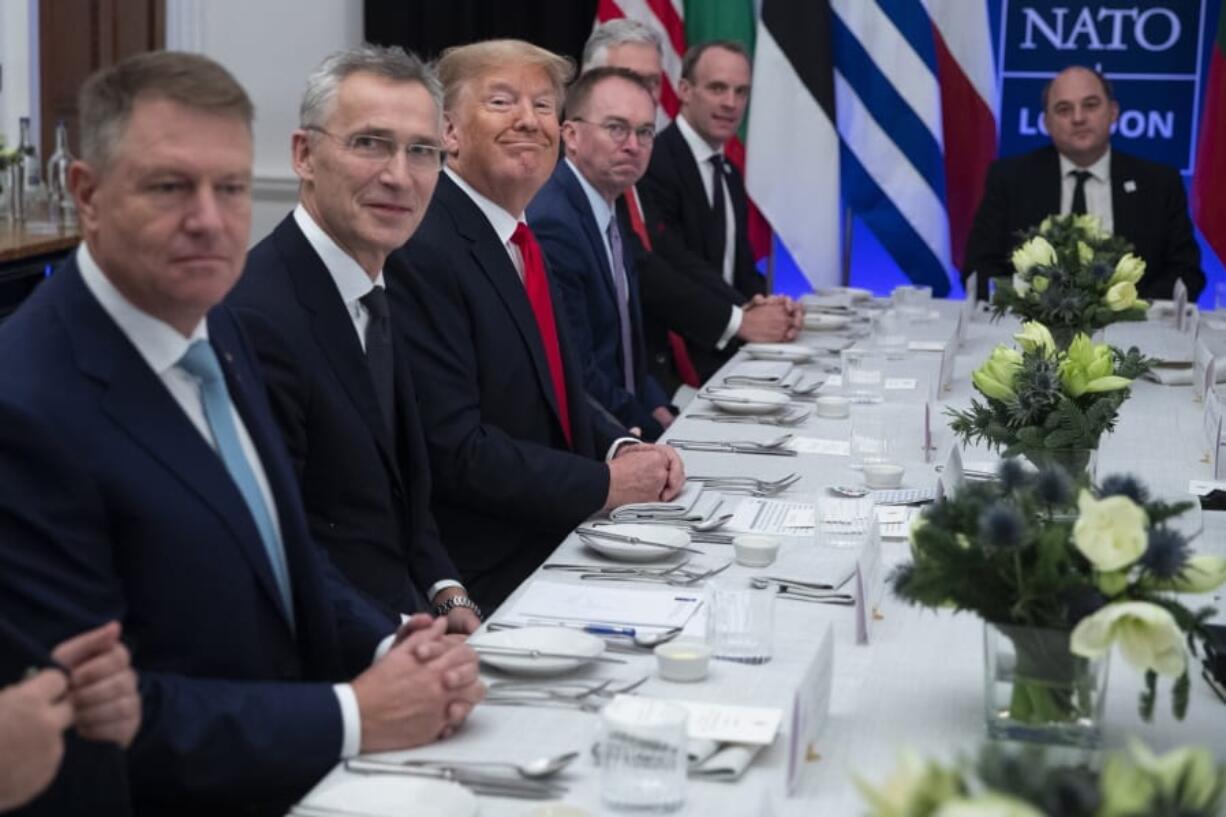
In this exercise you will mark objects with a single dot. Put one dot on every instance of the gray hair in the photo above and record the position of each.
(617, 32)
(392, 63)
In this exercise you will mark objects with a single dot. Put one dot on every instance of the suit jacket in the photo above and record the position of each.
(562, 219)
(507, 489)
(366, 491)
(1023, 190)
(683, 233)
(112, 505)
(92, 777)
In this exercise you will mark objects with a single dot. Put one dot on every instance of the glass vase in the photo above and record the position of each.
(1036, 690)
(1079, 463)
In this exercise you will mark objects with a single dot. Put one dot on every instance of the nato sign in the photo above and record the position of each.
(1148, 50)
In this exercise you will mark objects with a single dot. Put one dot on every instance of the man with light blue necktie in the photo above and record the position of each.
(142, 478)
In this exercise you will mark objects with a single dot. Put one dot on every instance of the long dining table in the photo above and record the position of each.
(919, 681)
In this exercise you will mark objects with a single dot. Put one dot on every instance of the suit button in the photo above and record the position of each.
(661, 358)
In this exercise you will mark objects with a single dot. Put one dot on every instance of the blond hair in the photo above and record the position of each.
(464, 63)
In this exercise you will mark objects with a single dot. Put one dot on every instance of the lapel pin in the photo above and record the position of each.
(1130, 186)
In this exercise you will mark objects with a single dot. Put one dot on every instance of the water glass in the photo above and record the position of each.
(890, 335)
(863, 375)
(869, 441)
(843, 522)
(740, 621)
(643, 758)
(913, 302)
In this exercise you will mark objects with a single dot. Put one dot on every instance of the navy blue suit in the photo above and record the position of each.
(508, 489)
(112, 505)
(562, 219)
(92, 779)
(366, 490)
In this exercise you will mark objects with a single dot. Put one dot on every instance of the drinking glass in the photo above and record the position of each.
(740, 621)
(890, 335)
(643, 758)
(913, 302)
(842, 522)
(863, 375)
(869, 441)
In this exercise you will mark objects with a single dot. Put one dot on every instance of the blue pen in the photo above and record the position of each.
(603, 629)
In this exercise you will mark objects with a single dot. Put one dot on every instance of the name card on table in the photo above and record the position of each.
(946, 376)
(960, 328)
(810, 708)
(869, 584)
(1180, 297)
(1201, 356)
(972, 293)
(952, 476)
(1212, 417)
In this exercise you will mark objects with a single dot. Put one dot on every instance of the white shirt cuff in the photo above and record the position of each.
(734, 326)
(386, 643)
(351, 719)
(617, 444)
(439, 586)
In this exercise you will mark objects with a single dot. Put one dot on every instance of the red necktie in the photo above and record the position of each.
(537, 287)
(681, 356)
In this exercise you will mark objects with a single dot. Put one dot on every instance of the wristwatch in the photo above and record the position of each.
(454, 602)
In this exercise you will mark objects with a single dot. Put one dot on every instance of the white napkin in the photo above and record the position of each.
(691, 505)
(1176, 375)
(719, 761)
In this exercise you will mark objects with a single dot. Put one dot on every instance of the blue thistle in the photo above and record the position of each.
(1053, 487)
(1124, 485)
(1012, 475)
(1082, 601)
(1166, 554)
(1001, 526)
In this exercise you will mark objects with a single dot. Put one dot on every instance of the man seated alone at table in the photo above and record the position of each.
(517, 452)
(1080, 172)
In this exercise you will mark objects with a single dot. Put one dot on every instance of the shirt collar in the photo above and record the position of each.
(348, 275)
(504, 223)
(600, 208)
(159, 343)
(698, 146)
(1100, 170)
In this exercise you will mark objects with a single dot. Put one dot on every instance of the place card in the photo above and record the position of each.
(972, 292)
(901, 383)
(952, 476)
(726, 723)
(810, 708)
(869, 585)
(946, 375)
(817, 445)
(926, 346)
(1212, 417)
(1180, 297)
(960, 329)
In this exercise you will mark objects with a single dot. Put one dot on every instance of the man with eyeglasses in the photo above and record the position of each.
(313, 302)
(518, 453)
(589, 241)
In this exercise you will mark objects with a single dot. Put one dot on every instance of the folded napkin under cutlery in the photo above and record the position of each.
(759, 372)
(689, 506)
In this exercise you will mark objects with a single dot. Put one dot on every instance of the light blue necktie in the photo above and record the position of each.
(200, 361)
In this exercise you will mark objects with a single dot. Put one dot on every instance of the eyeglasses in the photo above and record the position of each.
(619, 131)
(380, 149)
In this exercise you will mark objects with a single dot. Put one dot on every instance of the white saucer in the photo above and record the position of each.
(820, 321)
(633, 552)
(546, 639)
(748, 401)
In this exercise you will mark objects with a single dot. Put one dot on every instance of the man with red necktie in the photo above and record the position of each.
(519, 453)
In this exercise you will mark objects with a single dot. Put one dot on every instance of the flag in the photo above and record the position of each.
(793, 144)
(968, 109)
(889, 116)
(731, 20)
(1209, 178)
(667, 18)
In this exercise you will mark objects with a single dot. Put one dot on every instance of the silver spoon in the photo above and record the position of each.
(712, 523)
(537, 769)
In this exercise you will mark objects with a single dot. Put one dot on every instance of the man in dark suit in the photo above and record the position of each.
(142, 477)
(368, 154)
(589, 243)
(86, 686)
(1081, 173)
(517, 453)
(696, 208)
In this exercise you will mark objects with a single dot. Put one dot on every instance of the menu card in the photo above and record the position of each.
(810, 708)
(563, 602)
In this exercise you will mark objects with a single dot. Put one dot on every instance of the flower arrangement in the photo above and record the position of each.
(1073, 277)
(1101, 565)
(1046, 404)
(1185, 782)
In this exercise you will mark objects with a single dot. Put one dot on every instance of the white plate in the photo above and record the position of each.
(855, 293)
(630, 552)
(748, 401)
(823, 322)
(546, 639)
(390, 795)
(793, 352)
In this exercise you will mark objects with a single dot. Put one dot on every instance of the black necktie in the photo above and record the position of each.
(1079, 192)
(720, 224)
(379, 350)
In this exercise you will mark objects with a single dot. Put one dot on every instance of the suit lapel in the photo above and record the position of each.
(491, 257)
(695, 190)
(578, 200)
(1050, 185)
(138, 402)
(1124, 215)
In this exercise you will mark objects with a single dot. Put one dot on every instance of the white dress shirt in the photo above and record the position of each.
(702, 155)
(353, 283)
(161, 346)
(1098, 189)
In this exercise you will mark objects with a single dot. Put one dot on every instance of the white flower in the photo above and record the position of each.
(1110, 532)
(1121, 296)
(1019, 284)
(1130, 268)
(987, 805)
(1148, 636)
(1034, 253)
